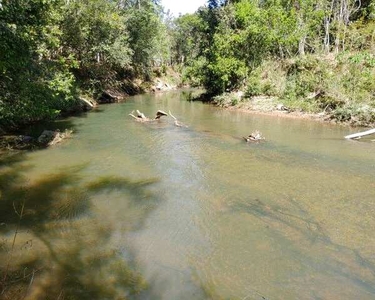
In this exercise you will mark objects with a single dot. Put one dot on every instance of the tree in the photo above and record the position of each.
(95, 35)
(30, 74)
(51, 49)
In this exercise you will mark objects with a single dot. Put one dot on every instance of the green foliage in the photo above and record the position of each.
(31, 76)
(227, 99)
(267, 79)
(49, 50)
(305, 75)
(313, 55)
(342, 86)
(236, 37)
(355, 114)
(192, 73)
(187, 38)
(150, 38)
(227, 73)
(253, 86)
(95, 36)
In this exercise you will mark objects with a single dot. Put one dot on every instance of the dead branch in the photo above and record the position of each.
(140, 117)
(160, 114)
(360, 134)
(176, 122)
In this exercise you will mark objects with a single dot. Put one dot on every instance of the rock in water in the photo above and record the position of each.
(50, 138)
(47, 136)
(254, 137)
(109, 97)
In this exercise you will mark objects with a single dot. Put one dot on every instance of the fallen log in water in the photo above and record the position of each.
(160, 114)
(140, 117)
(360, 134)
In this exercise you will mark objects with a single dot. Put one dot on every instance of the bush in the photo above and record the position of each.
(253, 86)
(227, 99)
(343, 85)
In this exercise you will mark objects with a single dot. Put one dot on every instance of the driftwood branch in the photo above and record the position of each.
(172, 116)
(133, 116)
(176, 122)
(360, 134)
(140, 117)
(87, 102)
(160, 114)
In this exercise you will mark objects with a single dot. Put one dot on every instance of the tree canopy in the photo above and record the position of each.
(236, 36)
(51, 50)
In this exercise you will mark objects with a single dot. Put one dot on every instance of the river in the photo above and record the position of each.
(155, 211)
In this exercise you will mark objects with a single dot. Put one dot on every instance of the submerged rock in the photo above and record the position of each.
(50, 138)
(47, 136)
(109, 97)
(256, 136)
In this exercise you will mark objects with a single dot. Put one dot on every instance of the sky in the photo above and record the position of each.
(182, 6)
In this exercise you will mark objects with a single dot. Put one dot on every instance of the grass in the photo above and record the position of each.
(341, 86)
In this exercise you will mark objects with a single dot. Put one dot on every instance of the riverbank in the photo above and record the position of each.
(16, 138)
(268, 106)
(109, 194)
(331, 88)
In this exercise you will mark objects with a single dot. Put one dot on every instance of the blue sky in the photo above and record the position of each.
(182, 6)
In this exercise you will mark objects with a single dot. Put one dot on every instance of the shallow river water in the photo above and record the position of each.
(192, 213)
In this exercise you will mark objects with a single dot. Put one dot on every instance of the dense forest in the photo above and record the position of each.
(314, 55)
(52, 51)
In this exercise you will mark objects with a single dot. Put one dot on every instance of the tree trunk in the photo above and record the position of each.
(327, 33)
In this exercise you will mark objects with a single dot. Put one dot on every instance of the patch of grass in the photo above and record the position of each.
(227, 99)
(342, 85)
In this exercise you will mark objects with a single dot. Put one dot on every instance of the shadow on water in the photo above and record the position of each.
(54, 244)
(36, 129)
(297, 226)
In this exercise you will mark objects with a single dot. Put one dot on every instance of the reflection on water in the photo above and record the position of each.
(152, 211)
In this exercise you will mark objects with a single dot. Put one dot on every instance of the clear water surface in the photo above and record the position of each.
(196, 212)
